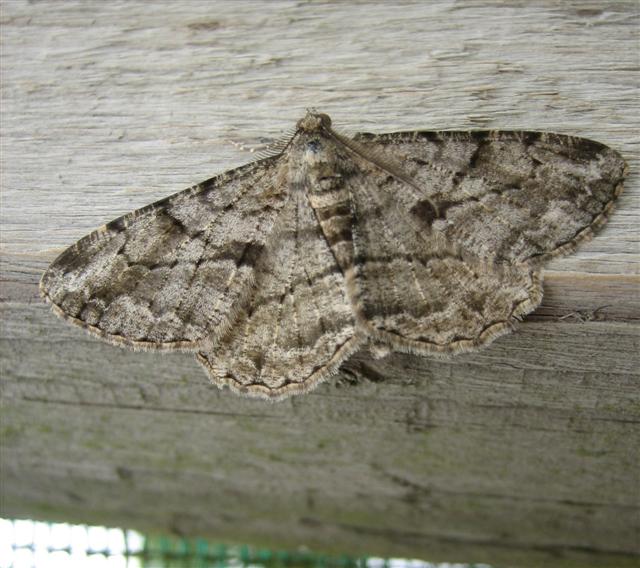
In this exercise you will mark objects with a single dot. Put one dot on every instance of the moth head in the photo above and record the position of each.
(314, 122)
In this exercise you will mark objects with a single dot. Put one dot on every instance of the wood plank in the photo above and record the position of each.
(522, 454)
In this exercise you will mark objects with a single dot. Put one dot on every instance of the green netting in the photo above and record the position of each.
(201, 553)
(31, 544)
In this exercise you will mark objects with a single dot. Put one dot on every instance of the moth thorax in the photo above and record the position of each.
(314, 121)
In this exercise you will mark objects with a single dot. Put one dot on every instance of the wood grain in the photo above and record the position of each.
(524, 453)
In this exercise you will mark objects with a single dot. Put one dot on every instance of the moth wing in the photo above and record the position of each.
(299, 325)
(454, 278)
(505, 195)
(169, 275)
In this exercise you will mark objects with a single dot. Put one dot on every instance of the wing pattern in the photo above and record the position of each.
(300, 325)
(274, 273)
(454, 278)
(168, 276)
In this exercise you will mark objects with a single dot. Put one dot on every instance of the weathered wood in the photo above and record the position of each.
(525, 453)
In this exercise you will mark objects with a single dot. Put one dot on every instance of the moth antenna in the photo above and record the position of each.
(383, 163)
(272, 148)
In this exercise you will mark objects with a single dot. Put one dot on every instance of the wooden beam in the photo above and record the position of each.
(524, 453)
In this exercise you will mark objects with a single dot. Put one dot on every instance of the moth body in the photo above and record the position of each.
(274, 273)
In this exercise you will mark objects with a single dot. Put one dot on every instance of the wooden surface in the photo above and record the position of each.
(523, 454)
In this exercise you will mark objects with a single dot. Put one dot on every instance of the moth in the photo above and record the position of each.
(275, 272)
